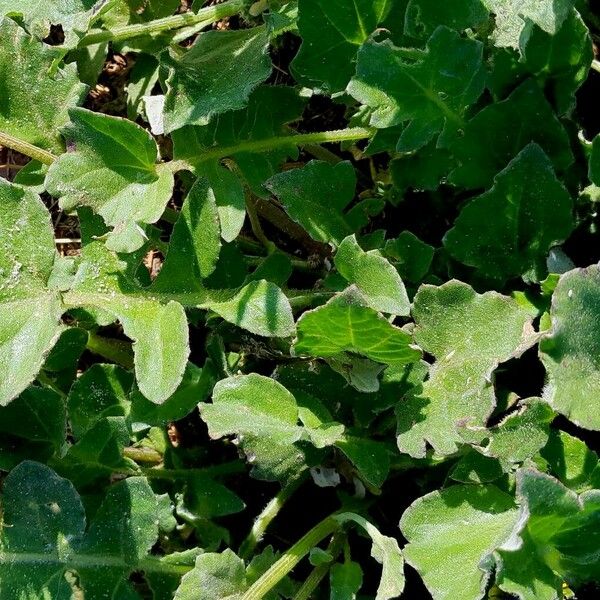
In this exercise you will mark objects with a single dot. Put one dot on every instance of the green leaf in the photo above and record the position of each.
(331, 32)
(423, 16)
(302, 192)
(488, 143)
(513, 15)
(195, 243)
(259, 307)
(468, 334)
(374, 276)
(29, 312)
(113, 170)
(214, 576)
(370, 457)
(385, 550)
(35, 96)
(44, 537)
(33, 426)
(216, 75)
(532, 213)
(570, 348)
(264, 417)
(101, 391)
(430, 93)
(558, 541)
(411, 256)
(74, 16)
(345, 580)
(159, 331)
(343, 325)
(461, 525)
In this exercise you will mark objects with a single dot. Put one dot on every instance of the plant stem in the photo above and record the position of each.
(229, 468)
(207, 16)
(257, 229)
(146, 455)
(117, 351)
(265, 518)
(300, 139)
(291, 558)
(309, 300)
(316, 576)
(43, 156)
(596, 65)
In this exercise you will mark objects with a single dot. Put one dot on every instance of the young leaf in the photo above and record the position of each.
(343, 325)
(558, 540)
(216, 75)
(195, 243)
(331, 32)
(374, 276)
(469, 334)
(73, 16)
(430, 93)
(35, 96)
(113, 170)
(533, 213)
(303, 192)
(569, 349)
(488, 145)
(462, 525)
(29, 312)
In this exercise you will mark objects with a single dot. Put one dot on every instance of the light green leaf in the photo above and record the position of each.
(259, 307)
(113, 170)
(512, 16)
(159, 331)
(44, 537)
(532, 213)
(558, 540)
(331, 32)
(216, 75)
(29, 312)
(195, 243)
(374, 276)
(264, 417)
(423, 16)
(214, 576)
(430, 92)
(35, 96)
(74, 16)
(315, 196)
(570, 349)
(462, 525)
(385, 551)
(469, 334)
(343, 325)
(488, 145)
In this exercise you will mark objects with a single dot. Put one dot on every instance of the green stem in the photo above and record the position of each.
(257, 229)
(116, 351)
(316, 576)
(596, 65)
(229, 468)
(309, 300)
(265, 518)
(262, 586)
(300, 139)
(207, 15)
(43, 156)
(141, 454)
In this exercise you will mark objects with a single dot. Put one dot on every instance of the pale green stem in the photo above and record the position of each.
(596, 65)
(43, 156)
(116, 351)
(265, 518)
(262, 586)
(207, 16)
(229, 468)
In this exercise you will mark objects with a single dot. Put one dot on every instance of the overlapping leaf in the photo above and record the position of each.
(469, 334)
